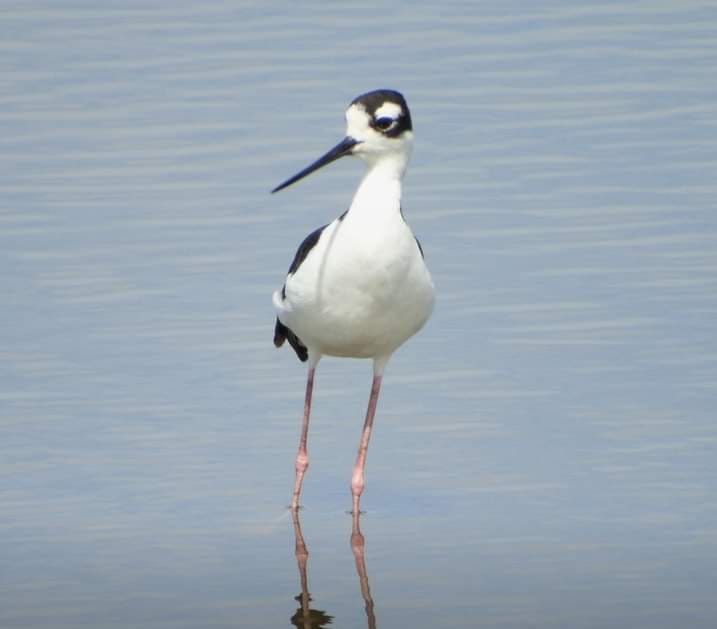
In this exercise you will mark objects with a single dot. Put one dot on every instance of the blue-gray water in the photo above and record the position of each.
(545, 449)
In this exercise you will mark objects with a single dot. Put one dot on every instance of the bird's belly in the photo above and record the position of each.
(358, 307)
(364, 325)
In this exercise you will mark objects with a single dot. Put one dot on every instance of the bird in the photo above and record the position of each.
(358, 287)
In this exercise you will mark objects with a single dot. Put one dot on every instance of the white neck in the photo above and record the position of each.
(380, 188)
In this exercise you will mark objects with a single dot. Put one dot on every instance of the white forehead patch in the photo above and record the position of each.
(357, 117)
(390, 110)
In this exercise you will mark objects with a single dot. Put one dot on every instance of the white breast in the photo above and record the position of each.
(364, 288)
(361, 291)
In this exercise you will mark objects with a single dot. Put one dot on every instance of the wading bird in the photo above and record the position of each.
(358, 287)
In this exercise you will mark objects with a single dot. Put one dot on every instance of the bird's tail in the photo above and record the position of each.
(282, 333)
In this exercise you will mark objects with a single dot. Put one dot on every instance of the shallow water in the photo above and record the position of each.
(544, 452)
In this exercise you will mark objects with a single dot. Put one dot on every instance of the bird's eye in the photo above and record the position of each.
(384, 122)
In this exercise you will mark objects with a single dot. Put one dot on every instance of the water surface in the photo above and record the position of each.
(544, 452)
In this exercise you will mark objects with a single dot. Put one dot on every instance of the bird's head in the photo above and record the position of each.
(378, 127)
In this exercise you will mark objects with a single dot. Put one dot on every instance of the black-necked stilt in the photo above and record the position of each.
(358, 287)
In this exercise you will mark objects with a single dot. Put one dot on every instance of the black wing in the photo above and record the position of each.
(304, 248)
(281, 332)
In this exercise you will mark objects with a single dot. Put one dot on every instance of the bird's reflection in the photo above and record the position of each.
(357, 546)
(308, 618)
(305, 617)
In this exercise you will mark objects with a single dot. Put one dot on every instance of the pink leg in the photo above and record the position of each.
(357, 478)
(302, 456)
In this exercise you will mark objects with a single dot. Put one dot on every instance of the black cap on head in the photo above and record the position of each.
(372, 102)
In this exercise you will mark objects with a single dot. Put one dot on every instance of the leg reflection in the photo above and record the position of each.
(305, 617)
(357, 546)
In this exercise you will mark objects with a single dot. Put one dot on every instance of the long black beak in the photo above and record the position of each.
(342, 148)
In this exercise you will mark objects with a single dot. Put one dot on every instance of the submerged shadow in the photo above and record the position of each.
(307, 617)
